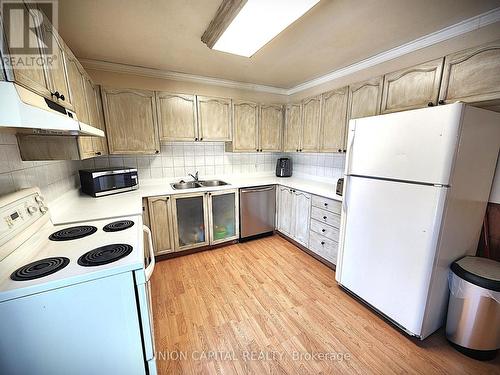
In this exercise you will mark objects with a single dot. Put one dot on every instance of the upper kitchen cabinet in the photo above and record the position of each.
(131, 121)
(214, 118)
(177, 117)
(473, 75)
(293, 127)
(35, 78)
(58, 76)
(364, 98)
(270, 127)
(78, 93)
(334, 121)
(411, 88)
(100, 144)
(245, 127)
(311, 121)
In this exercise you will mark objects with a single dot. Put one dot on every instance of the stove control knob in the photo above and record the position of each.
(44, 209)
(39, 198)
(32, 210)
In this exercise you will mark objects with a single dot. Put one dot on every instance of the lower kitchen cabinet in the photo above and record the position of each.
(310, 220)
(223, 209)
(190, 221)
(294, 208)
(160, 223)
(201, 219)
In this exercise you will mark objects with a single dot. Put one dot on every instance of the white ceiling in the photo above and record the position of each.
(165, 34)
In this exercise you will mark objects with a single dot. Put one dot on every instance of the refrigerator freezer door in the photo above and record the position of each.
(389, 238)
(416, 145)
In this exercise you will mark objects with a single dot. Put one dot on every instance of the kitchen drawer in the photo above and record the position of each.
(326, 204)
(325, 230)
(323, 246)
(325, 216)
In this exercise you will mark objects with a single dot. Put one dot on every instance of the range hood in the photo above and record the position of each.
(25, 112)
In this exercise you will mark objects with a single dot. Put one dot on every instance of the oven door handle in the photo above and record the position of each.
(149, 269)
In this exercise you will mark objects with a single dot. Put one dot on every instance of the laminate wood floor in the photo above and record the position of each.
(265, 307)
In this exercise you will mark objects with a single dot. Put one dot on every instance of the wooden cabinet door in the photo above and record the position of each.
(293, 127)
(223, 216)
(86, 143)
(301, 217)
(311, 121)
(414, 87)
(36, 78)
(245, 126)
(190, 220)
(270, 127)
(285, 210)
(214, 118)
(78, 93)
(100, 143)
(364, 98)
(160, 221)
(334, 120)
(130, 119)
(176, 117)
(57, 71)
(472, 75)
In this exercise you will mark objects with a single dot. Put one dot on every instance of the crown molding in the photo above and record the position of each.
(460, 28)
(428, 40)
(176, 76)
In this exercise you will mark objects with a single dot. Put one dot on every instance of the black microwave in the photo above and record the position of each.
(106, 181)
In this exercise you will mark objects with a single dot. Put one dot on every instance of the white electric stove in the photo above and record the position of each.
(73, 298)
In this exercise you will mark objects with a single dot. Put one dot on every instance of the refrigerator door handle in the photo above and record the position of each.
(350, 145)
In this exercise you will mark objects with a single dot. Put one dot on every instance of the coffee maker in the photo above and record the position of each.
(284, 167)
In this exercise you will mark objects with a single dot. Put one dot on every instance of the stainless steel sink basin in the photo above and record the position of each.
(185, 185)
(208, 183)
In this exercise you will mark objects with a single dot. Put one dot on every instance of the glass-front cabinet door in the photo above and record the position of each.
(224, 216)
(190, 218)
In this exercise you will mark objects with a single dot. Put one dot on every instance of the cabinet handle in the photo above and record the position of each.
(326, 204)
(339, 150)
(324, 217)
(62, 97)
(98, 153)
(196, 139)
(157, 151)
(201, 139)
(297, 150)
(441, 102)
(323, 230)
(322, 242)
(168, 198)
(300, 150)
(430, 104)
(344, 150)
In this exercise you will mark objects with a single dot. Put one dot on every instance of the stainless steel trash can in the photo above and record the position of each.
(473, 323)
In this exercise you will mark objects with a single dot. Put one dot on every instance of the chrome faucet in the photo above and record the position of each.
(195, 177)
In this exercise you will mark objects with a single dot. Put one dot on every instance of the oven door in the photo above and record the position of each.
(145, 302)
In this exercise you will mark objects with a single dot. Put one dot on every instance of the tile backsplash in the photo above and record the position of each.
(53, 177)
(176, 160)
(181, 158)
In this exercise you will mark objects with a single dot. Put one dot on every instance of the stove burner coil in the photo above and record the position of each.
(118, 225)
(72, 233)
(39, 268)
(104, 255)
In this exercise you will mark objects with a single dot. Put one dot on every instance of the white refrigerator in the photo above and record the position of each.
(415, 193)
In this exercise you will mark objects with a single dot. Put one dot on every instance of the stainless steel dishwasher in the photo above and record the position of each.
(257, 211)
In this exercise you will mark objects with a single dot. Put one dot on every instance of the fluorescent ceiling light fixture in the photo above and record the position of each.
(258, 22)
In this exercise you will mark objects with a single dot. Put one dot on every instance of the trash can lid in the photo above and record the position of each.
(482, 272)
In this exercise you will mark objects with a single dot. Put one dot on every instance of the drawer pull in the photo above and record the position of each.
(326, 204)
(323, 230)
(324, 217)
(322, 242)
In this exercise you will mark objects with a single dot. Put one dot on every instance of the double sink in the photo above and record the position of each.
(197, 184)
